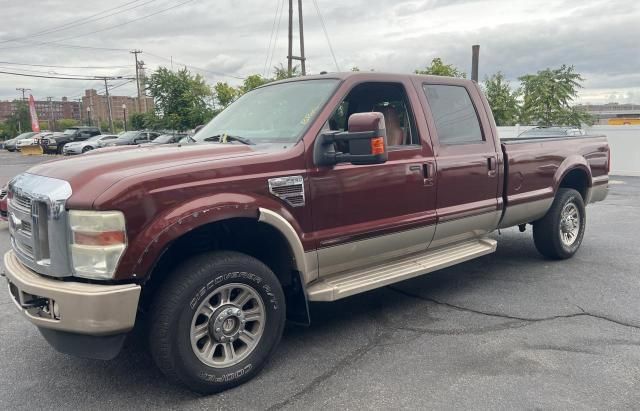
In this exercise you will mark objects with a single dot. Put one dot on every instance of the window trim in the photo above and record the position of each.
(475, 109)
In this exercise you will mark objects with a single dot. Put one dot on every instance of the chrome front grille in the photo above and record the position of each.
(3, 194)
(21, 202)
(38, 223)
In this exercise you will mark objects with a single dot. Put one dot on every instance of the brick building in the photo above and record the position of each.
(100, 110)
(47, 110)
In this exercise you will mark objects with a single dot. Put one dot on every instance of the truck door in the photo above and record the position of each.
(467, 163)
(368, 214)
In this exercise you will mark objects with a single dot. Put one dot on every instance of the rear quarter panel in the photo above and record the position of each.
(534, 170)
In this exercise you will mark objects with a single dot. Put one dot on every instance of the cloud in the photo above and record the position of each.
(231, 37)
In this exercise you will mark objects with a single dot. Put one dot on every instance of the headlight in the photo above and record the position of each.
(98, 240)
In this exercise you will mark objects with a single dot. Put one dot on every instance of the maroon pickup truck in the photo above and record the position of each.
(309, 189)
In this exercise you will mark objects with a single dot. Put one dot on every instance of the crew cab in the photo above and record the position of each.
(307, 189)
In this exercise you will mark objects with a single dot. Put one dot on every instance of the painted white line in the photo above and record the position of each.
(615, 182)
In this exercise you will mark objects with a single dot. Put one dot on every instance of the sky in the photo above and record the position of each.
(227, 40)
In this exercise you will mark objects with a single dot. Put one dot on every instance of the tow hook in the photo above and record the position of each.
(522, 227)
(35, 303)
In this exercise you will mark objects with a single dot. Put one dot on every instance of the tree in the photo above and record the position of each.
(65, 123)
(182, 100)
(438, 68)
(280, 72)
(225, 94)
(547, 96)
(502, 99)
(137, 121)
(20, 120)
(251, 82)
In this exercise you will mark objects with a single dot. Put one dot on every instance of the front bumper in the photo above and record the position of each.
(71, 307)
(71, 150)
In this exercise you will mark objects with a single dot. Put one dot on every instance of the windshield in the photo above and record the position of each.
(70, 131)
(128, 136)
(25, 135)
(270, 114)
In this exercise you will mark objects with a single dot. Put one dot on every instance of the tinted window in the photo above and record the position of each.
(453, 112)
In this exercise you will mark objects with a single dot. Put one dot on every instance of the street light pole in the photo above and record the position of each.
(124, 115)
(89, 115)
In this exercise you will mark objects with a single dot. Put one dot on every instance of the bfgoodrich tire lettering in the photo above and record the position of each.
(559, 233)
(175, 310)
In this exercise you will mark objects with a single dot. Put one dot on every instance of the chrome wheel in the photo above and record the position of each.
(227, 325)
(569, 224)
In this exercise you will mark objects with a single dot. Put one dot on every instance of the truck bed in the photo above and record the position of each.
(535, 166)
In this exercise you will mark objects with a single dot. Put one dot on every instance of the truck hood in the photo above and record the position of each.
(99, 170)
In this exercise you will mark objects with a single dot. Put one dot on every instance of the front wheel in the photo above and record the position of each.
(216, 321)
(559, 233)
(86, 149)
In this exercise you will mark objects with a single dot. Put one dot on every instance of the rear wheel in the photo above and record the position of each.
(559, 233)
(216, 321)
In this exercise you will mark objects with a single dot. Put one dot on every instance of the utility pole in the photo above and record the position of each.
(23, 99)
(475, 57)
(135, 53)
(106, 90)
(80, 109)
(50, 100)
(290, 56)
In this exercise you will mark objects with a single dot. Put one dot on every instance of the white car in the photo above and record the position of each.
(32, 140)
(79, 147)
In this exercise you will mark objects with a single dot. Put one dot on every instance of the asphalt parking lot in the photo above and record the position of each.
(505, 331)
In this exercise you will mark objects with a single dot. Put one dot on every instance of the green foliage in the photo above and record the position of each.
(65, 123)
(251, 82)
(280, 72)
(18, 121)
(224, 94)
(502, 99)
(438, 68)
(182, 100)
(104, 126)
(136, 121)
(547, 96)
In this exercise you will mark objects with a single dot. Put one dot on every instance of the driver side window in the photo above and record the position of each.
(388, 98)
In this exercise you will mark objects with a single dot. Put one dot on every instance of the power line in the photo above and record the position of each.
(326, 35)
(54, 42)
(44, 72)
(80, 22)
(62, 78)
(217, 73)
(56, 66)
(275, 39)
(273, 29)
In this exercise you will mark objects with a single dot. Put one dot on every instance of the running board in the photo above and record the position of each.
(360, 280)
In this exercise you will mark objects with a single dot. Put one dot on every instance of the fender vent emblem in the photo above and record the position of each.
(289, 189)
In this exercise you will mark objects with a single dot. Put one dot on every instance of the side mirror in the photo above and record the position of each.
(364, 143)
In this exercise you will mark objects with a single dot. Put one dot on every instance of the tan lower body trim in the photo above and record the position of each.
(361, 253)
(599, 189)
(467, 228)
(525, 212)
(91, 309)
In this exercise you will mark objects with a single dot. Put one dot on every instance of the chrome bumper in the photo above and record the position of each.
(74, 307)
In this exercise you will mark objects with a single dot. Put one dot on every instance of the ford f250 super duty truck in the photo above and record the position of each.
(307, 189)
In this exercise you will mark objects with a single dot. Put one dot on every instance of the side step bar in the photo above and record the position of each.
(360, 280)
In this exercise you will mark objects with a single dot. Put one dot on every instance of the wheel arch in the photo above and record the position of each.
(574, 173)
(263, 234)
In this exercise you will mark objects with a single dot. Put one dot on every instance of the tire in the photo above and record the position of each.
(177, 310)
(558, 238)
(86, 149)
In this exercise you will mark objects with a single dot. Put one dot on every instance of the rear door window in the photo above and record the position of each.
(454, 114)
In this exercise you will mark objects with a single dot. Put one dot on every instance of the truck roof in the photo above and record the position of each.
(374, 76)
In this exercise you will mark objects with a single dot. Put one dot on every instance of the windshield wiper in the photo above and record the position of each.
(227, 137)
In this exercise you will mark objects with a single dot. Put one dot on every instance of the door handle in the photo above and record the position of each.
(492, 163)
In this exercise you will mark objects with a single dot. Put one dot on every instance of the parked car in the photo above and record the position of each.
(553, 131)
(80, 133)
(79, 147)
(134, 137)
(3, 203)
(10, 145)
(33, 140)
(188, 139)
(308, 189)
(168, 138)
